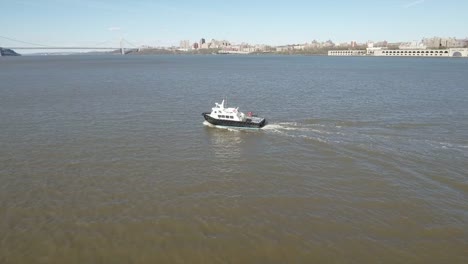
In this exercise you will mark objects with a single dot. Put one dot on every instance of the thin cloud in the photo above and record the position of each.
(414, 3)
(113, 28)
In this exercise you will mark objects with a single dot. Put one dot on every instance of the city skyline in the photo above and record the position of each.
(165, 23)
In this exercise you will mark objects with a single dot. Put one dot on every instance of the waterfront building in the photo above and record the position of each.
(451, 52)
(298, 47)
(407, 50)
(282, 48)
(378, 51)
(346, 52)
(260, 47)
(370, 50)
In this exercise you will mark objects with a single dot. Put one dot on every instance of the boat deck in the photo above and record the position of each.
(254, 119)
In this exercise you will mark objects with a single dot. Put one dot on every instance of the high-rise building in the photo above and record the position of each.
(437, 42)
(202, 41)
(184, 44)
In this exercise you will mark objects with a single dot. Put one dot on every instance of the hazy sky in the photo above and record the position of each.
(85, 22)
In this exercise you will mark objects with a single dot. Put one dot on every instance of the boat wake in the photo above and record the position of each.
(229, 128)
(299, 130)
(206, 123)
(370, 137)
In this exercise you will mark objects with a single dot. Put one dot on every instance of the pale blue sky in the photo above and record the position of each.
(84, 22)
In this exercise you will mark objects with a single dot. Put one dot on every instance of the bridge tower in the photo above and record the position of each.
(122, 49)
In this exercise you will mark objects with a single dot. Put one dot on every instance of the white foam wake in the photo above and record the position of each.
(298, 130)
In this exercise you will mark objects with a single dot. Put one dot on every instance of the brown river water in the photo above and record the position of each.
(106, 159)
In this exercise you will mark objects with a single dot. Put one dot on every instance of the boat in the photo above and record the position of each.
(222, 115)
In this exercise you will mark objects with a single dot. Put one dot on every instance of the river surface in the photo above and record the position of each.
(106, 159)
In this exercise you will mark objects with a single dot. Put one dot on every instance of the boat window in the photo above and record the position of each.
(231, 117)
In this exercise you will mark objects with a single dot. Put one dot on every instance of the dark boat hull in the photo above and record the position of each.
(232, 123)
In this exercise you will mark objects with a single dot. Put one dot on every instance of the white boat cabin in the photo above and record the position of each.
(230, 113)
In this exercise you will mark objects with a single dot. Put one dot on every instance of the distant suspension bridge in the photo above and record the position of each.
(98, 46)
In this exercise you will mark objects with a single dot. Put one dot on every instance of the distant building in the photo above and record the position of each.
(218, 44)
(315, 44)
(343, 45)
(381, 44)
(195, 45)
(436, 42)
(298, 47)
(260, 48)
(184, 44)
(328, 44)
(412, 45)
